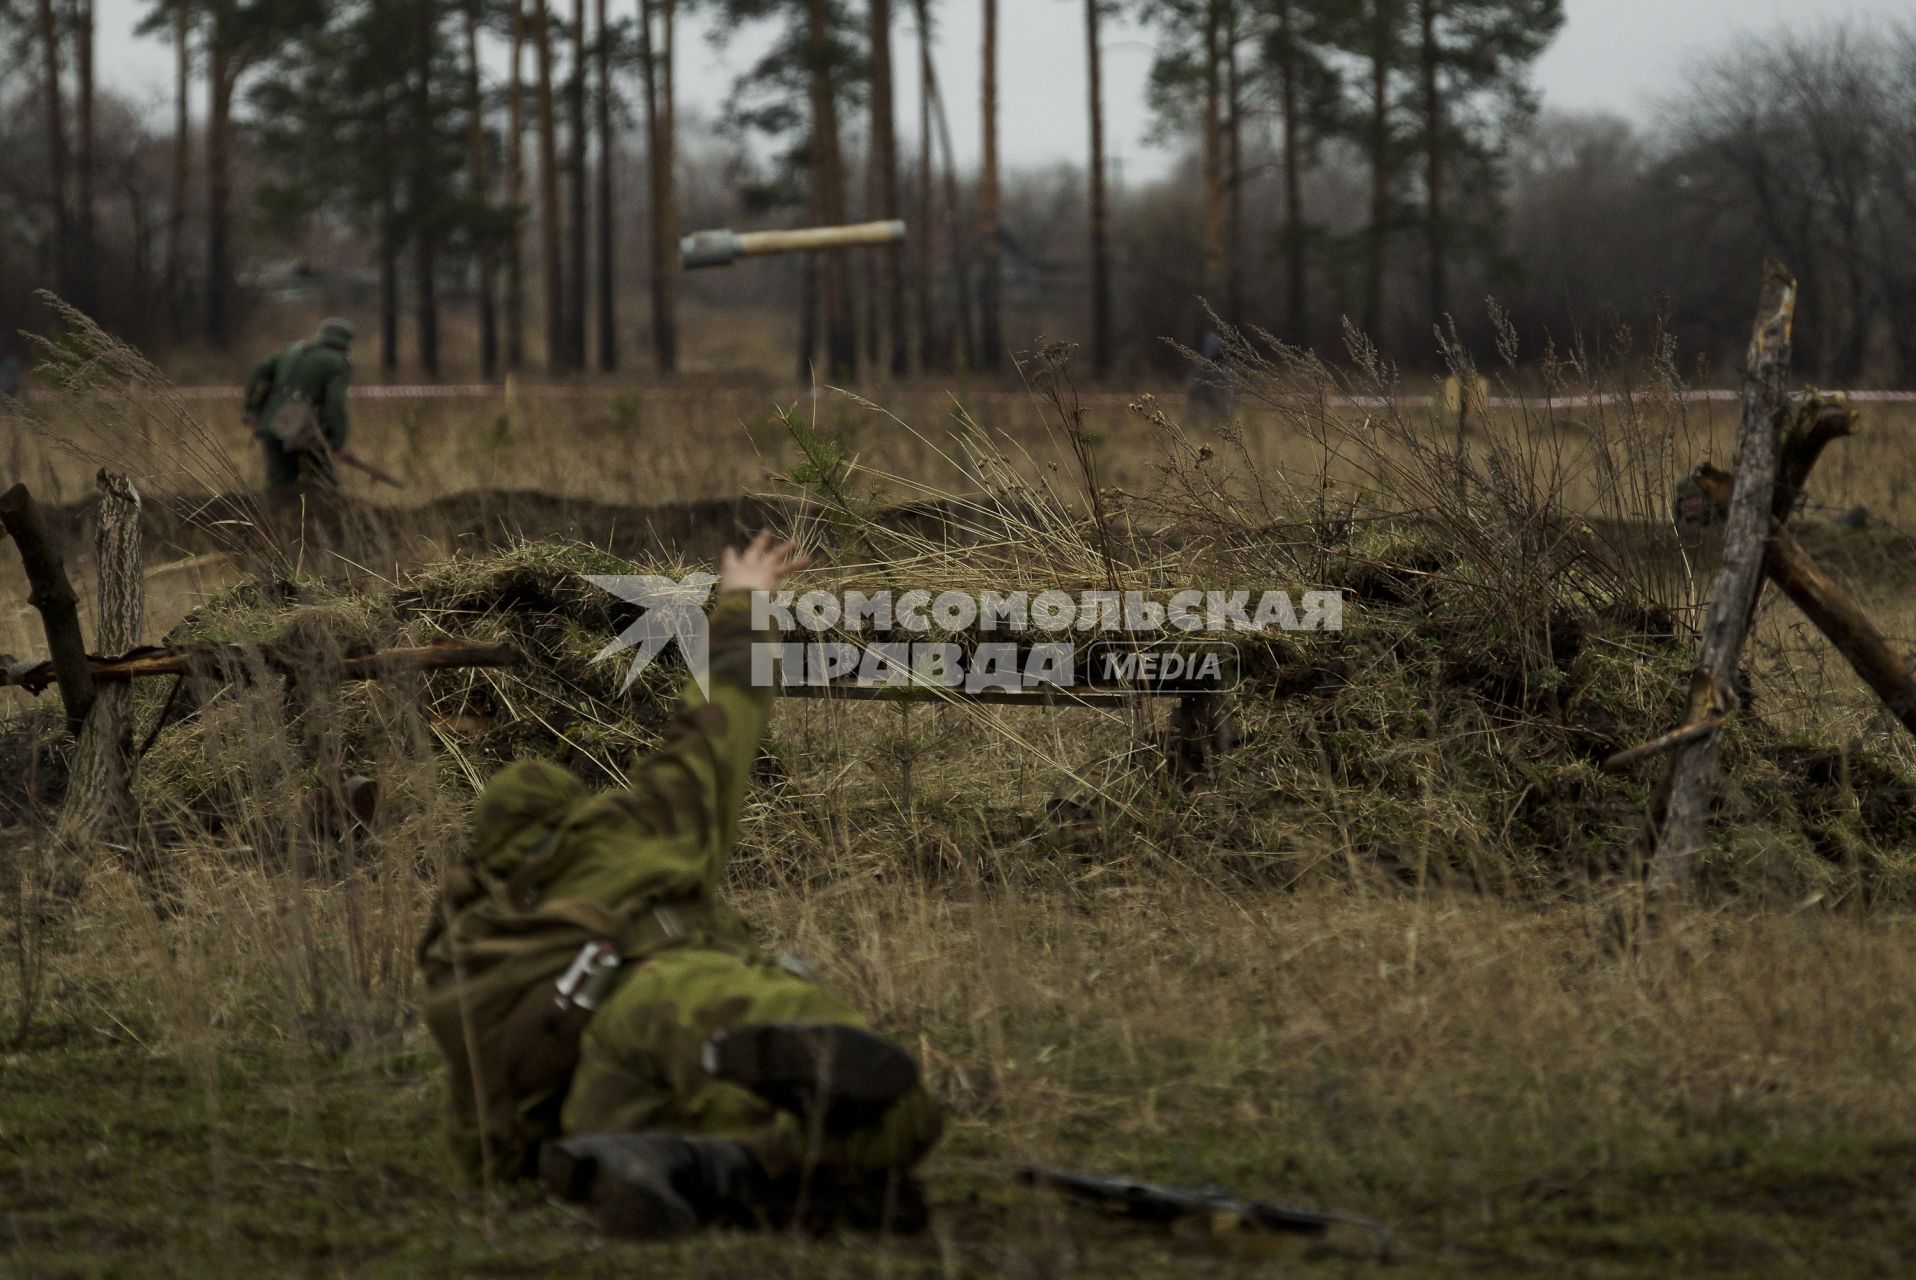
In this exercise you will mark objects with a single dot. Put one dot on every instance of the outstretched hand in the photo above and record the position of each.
(762, 566)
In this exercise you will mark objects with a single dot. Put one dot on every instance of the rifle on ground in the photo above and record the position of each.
(1224, 1210)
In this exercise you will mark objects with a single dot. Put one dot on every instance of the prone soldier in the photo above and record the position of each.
(671, 1075)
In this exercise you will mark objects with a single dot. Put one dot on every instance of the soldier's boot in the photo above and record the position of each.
(842, 1076)
(651, 1186)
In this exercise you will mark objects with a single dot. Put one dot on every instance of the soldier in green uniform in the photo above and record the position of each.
(296, 405)
(709, 1083)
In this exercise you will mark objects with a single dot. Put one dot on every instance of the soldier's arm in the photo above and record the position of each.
(683, 800)
(332, 405)
(259, 386)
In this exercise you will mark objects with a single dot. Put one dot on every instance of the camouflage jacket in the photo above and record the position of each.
(553, 866)
(319, 372)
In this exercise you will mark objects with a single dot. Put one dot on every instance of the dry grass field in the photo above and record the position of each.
(1361, 962)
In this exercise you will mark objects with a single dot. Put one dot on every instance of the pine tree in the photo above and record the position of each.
(1472, 58)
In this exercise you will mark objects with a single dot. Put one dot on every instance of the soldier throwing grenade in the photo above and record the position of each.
(609, 1024)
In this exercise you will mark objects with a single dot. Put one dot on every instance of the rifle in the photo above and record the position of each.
(354, 460)
(1150, 1202)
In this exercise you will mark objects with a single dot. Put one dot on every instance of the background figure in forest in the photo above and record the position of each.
(296, 405)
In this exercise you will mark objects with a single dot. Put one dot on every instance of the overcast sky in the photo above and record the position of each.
(1612, 55)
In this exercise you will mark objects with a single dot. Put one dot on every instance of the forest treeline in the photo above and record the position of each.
(500, 184)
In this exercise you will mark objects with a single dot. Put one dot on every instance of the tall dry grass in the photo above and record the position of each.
(1345, 967)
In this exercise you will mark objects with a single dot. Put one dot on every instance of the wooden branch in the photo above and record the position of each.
(1052, 696)
(52, 594)
(97, 799)
(1680, 736)
(1817, 423)
(1676, 833)
(232, 658)
(1838, 616)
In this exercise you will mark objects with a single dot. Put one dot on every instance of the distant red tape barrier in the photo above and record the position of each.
(489, 391)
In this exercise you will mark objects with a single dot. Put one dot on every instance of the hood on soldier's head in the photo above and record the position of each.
(519, 808)
(336, 333)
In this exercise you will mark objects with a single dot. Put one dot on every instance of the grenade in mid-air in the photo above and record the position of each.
(723, 248)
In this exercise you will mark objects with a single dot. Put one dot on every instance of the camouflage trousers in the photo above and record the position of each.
(639, 1066)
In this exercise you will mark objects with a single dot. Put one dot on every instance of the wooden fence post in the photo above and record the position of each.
(98, 798)
(53, 596)
(1677, 831)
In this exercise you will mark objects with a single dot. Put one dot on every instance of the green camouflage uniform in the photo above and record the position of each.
(655, 854)
(321, 371)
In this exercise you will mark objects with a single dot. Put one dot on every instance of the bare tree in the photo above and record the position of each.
(424, 215)
(884, 166)
(828, 192)
(608, 145)
(933, 351)
(86, 258)
(1286, 59)
(656, 56)
(1100, 213)
(53, 94)
(516, 192)
(991, 334)
(182, 159)
(479, 176)
(551, 265)
(1213, 149)
(576, 288)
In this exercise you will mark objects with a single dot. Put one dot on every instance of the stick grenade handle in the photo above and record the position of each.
(722, 248)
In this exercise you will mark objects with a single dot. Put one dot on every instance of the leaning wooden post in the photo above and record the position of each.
(53, 596)
(97, 796)
(1676, 834)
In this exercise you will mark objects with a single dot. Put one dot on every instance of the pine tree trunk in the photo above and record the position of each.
(608, 267)
(955, 217)
(885, 161)
(991, 333)
(1213, 156)
(1380, 170)
(828, 196)
(1437, 295)
(516, 193)
(1100, 211)
(481, 179)
(388, 213)
(182, 163)
(577, 231)
(85, 278)
(933, 352)
(656, 60)
(425, 212)
(1233, 175)
(1296, 304)
(54, 97)
(551, 262)
(219, 177)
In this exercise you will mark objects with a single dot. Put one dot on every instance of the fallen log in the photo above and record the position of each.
(1837, 615)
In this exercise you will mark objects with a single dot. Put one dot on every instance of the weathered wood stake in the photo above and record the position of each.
(1677, 832)
(97, 798)
(52, 594)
